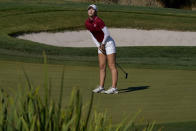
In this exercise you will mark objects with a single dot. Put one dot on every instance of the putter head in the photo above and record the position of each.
(126, 75)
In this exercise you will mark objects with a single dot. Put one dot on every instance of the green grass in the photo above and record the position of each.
(162, 95)
(27, 110)
(179, 126)
(146, 57)
(36, 16)
(168, 72)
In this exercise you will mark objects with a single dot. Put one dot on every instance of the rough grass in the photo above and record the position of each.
(146, 57)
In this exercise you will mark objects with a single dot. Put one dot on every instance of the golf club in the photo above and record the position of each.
(126, 74)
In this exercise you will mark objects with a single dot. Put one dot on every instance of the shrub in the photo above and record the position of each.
(176, 3)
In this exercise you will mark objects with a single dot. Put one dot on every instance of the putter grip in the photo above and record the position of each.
(126, 75)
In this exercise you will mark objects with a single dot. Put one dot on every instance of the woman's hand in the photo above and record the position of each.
(102, 48)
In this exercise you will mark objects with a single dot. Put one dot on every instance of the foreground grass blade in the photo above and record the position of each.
(45, 78)
(27, 78)
(131, 122)
(60, 98)
(89, 111)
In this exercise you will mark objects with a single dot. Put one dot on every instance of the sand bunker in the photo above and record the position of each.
(122, 37)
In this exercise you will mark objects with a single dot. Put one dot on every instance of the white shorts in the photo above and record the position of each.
(110, 46)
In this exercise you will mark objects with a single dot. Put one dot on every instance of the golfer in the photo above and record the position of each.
(106, 49)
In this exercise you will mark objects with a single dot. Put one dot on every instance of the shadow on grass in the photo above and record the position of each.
(130, 89)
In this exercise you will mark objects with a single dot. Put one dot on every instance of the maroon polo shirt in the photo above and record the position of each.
(95, 26)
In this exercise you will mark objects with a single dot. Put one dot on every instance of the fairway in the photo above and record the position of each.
(162, 95)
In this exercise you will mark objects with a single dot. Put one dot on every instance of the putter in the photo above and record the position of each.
(126, 74)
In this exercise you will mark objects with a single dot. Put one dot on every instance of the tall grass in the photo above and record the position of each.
(29, 111)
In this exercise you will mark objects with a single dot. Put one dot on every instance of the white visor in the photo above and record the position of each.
(92, 6)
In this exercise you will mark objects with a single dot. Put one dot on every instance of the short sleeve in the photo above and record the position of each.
(100, 23)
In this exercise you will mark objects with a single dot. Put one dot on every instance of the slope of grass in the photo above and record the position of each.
(146, 57)
(34, 16)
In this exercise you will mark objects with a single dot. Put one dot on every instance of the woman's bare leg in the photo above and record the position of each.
(102, 69)
(112, 65)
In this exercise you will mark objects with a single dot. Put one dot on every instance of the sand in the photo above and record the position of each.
(122, 37)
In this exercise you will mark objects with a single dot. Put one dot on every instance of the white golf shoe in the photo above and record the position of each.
(112, 91)
(99, 90)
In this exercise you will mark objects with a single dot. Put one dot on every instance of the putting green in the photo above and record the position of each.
(162, 95)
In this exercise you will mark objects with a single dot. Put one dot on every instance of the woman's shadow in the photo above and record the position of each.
(130, 89)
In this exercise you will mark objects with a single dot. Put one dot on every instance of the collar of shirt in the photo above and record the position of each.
(92, 20)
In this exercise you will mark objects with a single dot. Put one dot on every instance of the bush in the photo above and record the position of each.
(177, 3)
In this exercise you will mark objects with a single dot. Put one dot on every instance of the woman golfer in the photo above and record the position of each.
(106, 49)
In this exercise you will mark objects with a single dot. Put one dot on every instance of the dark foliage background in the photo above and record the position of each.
(178, 3)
